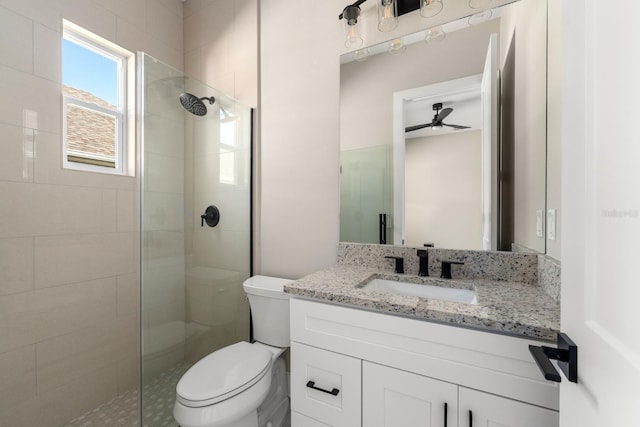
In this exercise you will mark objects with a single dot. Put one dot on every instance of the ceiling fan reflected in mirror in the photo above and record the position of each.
(437, 122)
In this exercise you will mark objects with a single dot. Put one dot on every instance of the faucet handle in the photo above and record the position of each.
(399, 263)
(446, 268)
(424, 262)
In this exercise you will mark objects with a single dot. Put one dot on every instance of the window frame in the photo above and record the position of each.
(124, 64)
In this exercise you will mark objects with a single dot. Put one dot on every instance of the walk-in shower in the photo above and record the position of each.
(192, 301)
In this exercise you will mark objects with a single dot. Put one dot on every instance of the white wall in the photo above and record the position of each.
(300, 45)
(68, 239)
(443, 191)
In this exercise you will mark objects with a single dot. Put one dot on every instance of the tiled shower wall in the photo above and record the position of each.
(68, 240)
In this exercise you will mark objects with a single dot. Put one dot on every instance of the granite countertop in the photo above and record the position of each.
(520, 309)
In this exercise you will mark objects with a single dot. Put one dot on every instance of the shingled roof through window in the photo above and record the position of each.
(89, 132)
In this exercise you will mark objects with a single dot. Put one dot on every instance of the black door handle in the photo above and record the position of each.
(470, 418)
(333, 392)
(566, 354)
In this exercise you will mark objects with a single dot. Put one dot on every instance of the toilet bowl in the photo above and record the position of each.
(243, 385)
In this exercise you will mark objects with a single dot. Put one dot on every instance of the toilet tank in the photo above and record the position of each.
(269, 309)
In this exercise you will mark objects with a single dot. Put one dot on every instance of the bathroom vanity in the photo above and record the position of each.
(362, 357)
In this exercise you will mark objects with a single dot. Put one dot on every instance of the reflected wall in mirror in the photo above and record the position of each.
(445, 201)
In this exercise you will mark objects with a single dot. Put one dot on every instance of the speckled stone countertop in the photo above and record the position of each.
(514, 308)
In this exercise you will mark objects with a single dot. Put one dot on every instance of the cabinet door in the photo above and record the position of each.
(393, 398)
(478, 409)
(299, 420)
(326, 386)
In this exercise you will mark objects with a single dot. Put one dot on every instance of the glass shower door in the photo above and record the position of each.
(192, 301)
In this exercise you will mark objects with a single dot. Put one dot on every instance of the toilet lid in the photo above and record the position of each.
(223, 374)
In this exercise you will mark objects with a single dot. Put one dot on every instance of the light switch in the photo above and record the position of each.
(539, 232)
(551, 224)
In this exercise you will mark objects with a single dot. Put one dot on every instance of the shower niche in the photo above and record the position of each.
(195, 151)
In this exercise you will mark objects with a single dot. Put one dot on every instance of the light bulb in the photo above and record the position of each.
(430, 8)
(353, 38)
(387, 15)
(435, 35)
(361, 54)
(396, 46)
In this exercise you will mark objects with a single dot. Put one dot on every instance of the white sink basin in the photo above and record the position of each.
(465, 296)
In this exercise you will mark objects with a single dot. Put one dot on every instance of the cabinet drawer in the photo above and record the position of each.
(325, 370)
(299, 420)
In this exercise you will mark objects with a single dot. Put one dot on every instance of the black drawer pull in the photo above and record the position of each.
(445, 414)
(333, 392)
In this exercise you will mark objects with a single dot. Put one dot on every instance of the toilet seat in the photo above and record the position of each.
(223, 374)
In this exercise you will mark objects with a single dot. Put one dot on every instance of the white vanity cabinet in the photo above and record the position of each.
(395, 371)
(327, 386)
(476, 408)
(391, 397)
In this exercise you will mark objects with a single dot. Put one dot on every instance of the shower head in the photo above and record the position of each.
(194, 105)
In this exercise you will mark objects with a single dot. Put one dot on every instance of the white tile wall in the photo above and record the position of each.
(16, 265)
(68, 239)
(19, 53)
(221, 46)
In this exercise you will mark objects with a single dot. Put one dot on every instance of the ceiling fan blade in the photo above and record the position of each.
(443, 114)
(412, 128)
(457, 126)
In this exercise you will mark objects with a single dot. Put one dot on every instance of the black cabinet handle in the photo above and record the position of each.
(333, 392)
(566, 354)
(470, 418)
(445, 414)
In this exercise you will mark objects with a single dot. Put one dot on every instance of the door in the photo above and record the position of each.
(391, 397)
(601, 218)
(486, 410)
(489, 110)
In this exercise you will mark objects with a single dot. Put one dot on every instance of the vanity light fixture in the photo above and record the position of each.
(430, 8)
(387, 15)
(397, 46)
(434, 35)
(388, 12)
(361, 54)
(353, 38)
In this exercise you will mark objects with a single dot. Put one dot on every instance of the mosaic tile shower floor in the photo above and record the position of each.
(159, 395)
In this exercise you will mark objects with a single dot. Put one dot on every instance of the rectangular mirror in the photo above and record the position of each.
(443, 139)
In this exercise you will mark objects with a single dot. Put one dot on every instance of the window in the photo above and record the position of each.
(96, 98)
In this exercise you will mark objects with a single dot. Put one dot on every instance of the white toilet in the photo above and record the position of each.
(243, 385)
